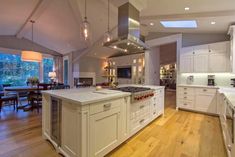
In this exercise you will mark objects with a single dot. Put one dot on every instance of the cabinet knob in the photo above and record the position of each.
(204, 90)
(185, 92)
(185, 104)
(141, 106)
(107, 106)
(142, 120)
(185, 97)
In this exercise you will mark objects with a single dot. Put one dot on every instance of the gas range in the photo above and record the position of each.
(137, 93)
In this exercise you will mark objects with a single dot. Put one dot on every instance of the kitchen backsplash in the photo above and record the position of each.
(221, 79)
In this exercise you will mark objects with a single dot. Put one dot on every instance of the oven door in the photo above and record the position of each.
(230, 120)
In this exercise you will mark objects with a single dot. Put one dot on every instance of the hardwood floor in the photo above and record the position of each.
(177, 134)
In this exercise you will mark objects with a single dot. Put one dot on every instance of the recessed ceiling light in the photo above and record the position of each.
(179, 24)
(115, 47)
(151, 24)
(213, 22)
(186, 8)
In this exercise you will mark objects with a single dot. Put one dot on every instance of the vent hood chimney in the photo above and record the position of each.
(129, 39)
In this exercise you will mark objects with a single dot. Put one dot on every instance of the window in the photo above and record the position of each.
(66, 66)
(48, 64)
(16, 72)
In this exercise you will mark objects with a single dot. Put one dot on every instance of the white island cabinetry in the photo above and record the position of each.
(94, 128)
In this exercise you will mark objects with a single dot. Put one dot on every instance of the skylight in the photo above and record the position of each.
(179, 24)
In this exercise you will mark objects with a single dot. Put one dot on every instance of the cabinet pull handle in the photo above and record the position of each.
(154, 112)
(204, 90)
(141, 106)
(185, 88)
(142, 120)
(229, 147)
(185, 97)
(185, 92)
(107, 106)
(185, 104)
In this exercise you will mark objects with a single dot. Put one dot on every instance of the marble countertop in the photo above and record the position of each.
(198, 86)
(229, 93)
(86, 96)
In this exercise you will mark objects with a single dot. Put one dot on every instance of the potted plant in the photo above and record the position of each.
(32, 81)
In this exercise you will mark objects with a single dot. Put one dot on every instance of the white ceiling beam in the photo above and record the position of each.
(35, 14)
(190, 15)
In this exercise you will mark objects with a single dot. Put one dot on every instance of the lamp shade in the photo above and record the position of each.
(31, 56)
(52, 74)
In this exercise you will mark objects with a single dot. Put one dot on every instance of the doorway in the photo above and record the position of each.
(168, 72)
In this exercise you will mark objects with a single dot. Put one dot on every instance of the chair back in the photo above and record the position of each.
(44, 86)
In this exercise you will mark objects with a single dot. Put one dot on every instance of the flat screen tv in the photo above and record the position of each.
(124, 72)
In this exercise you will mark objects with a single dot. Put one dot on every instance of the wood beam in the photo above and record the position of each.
(35, 14)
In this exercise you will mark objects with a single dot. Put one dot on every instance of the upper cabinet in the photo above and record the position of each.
(205, 58)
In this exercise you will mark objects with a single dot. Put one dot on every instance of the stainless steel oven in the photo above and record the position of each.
(56, 111)
(230, 120)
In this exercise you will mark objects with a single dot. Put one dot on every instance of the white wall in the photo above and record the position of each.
(152, 66)
(87, 64)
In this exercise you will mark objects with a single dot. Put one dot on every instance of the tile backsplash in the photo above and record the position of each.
(221, 79)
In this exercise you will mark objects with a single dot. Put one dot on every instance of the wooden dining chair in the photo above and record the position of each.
(11, 99)
(36, 97)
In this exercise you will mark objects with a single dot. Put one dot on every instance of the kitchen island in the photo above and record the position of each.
(87, 123)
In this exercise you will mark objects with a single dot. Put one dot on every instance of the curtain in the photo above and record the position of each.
(59, 68)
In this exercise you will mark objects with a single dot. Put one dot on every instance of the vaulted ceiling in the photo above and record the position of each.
(58, 22)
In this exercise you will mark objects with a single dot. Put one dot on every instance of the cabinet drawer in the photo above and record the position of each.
(206, 90)
(186, 97)
(185, 104)
(104, 106)
(185, 90)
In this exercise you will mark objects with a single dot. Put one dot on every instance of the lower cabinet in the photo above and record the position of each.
(198, 99)
(206, 102)
(105, 129)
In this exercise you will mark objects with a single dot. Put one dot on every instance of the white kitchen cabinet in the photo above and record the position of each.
(197, 99)
(46, 115)
(200, 58)
(206, 102)
(200, 63)
(105, 129)
(205, 58)
(70, 121)
(186, 60)
(231, 32)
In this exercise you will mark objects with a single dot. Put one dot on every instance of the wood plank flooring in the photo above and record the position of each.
(177, 134)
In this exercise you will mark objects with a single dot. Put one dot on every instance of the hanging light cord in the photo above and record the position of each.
(85, 10)
(108, 15)
(32, 22)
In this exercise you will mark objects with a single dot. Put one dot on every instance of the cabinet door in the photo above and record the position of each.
(104, 132)
(46, 116)
(200, 62)
(186, 60)
(186, 63)
(205, 102)
(201, 58)
(218, 62)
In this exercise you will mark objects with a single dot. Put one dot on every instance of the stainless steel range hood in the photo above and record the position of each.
(129, 38)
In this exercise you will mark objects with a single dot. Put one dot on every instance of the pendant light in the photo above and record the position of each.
(85, 27)
(31, 55)
(108, 34)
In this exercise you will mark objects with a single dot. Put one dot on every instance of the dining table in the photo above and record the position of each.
(21, 89)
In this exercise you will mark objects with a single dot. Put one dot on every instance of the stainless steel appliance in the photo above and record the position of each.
(230, 120)
(138, 93)
(233, 82)
(129, 39)
(56, 111)
(211, 80)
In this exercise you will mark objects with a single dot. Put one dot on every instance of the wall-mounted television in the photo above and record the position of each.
(124, 72)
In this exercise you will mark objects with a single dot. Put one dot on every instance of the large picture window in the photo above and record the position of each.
(16, 72)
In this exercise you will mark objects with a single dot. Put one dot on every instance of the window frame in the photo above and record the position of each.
(18, 52)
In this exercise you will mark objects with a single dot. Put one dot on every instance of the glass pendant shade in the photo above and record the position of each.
(85, 30)
(108, 36)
